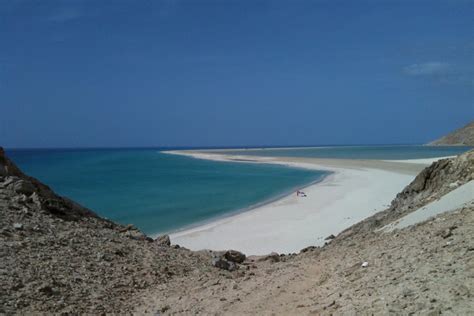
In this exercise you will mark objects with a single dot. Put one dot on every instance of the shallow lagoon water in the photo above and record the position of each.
(155, 191)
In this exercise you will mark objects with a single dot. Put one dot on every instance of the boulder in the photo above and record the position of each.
(223, 264)
(235, 256)
(163, 240)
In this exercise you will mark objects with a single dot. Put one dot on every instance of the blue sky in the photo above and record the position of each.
(79, 73)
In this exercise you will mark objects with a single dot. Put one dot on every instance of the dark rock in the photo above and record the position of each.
(330, 237)
(55, 207)
(220, 263)
(235, 256)
(165, 308)
(332, 304)
(24, 187)
(224, 264)
(233, 266)
(119, 253)
(309, 248)
(47, 289)
(163, 240)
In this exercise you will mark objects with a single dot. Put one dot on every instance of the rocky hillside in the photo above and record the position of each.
(461, 137)
(424, 269)
(58, 257)
(431, 183)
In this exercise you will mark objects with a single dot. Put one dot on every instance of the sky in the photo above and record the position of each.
(88, 73)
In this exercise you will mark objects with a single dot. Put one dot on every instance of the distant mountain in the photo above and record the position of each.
(460, 137)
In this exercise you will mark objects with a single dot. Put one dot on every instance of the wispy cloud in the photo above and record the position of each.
(442, 72)
(428, 69)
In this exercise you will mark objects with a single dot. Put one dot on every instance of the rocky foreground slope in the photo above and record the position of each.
(460, 137)
(57, 256)
(60, 257)
(425, 269)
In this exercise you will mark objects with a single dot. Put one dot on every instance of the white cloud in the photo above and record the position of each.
(443, 72)
(428, 69)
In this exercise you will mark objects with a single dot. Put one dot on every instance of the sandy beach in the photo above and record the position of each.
(355, 189)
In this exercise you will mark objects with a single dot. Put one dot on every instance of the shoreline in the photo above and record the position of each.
(354, 190)
(249, 208)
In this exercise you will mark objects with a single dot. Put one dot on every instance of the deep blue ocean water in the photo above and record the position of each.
(158, 192)
(389, 152)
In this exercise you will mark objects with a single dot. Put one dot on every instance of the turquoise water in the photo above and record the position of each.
(357, 152)
(158, 192)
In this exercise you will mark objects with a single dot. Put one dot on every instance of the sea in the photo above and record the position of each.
(160, 192)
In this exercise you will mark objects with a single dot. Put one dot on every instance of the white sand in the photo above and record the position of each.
(353, 192)
(458, 198)
(422, 160)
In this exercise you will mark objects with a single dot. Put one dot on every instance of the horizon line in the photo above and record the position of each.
(214, 147)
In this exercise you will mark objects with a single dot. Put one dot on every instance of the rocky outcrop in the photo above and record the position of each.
(47, 199)
(430, 184)
(461, 137)
(227, 260)
(163, 240)
(235, 256)
(222, 263)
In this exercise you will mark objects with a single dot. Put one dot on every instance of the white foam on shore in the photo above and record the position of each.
(289, 224)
